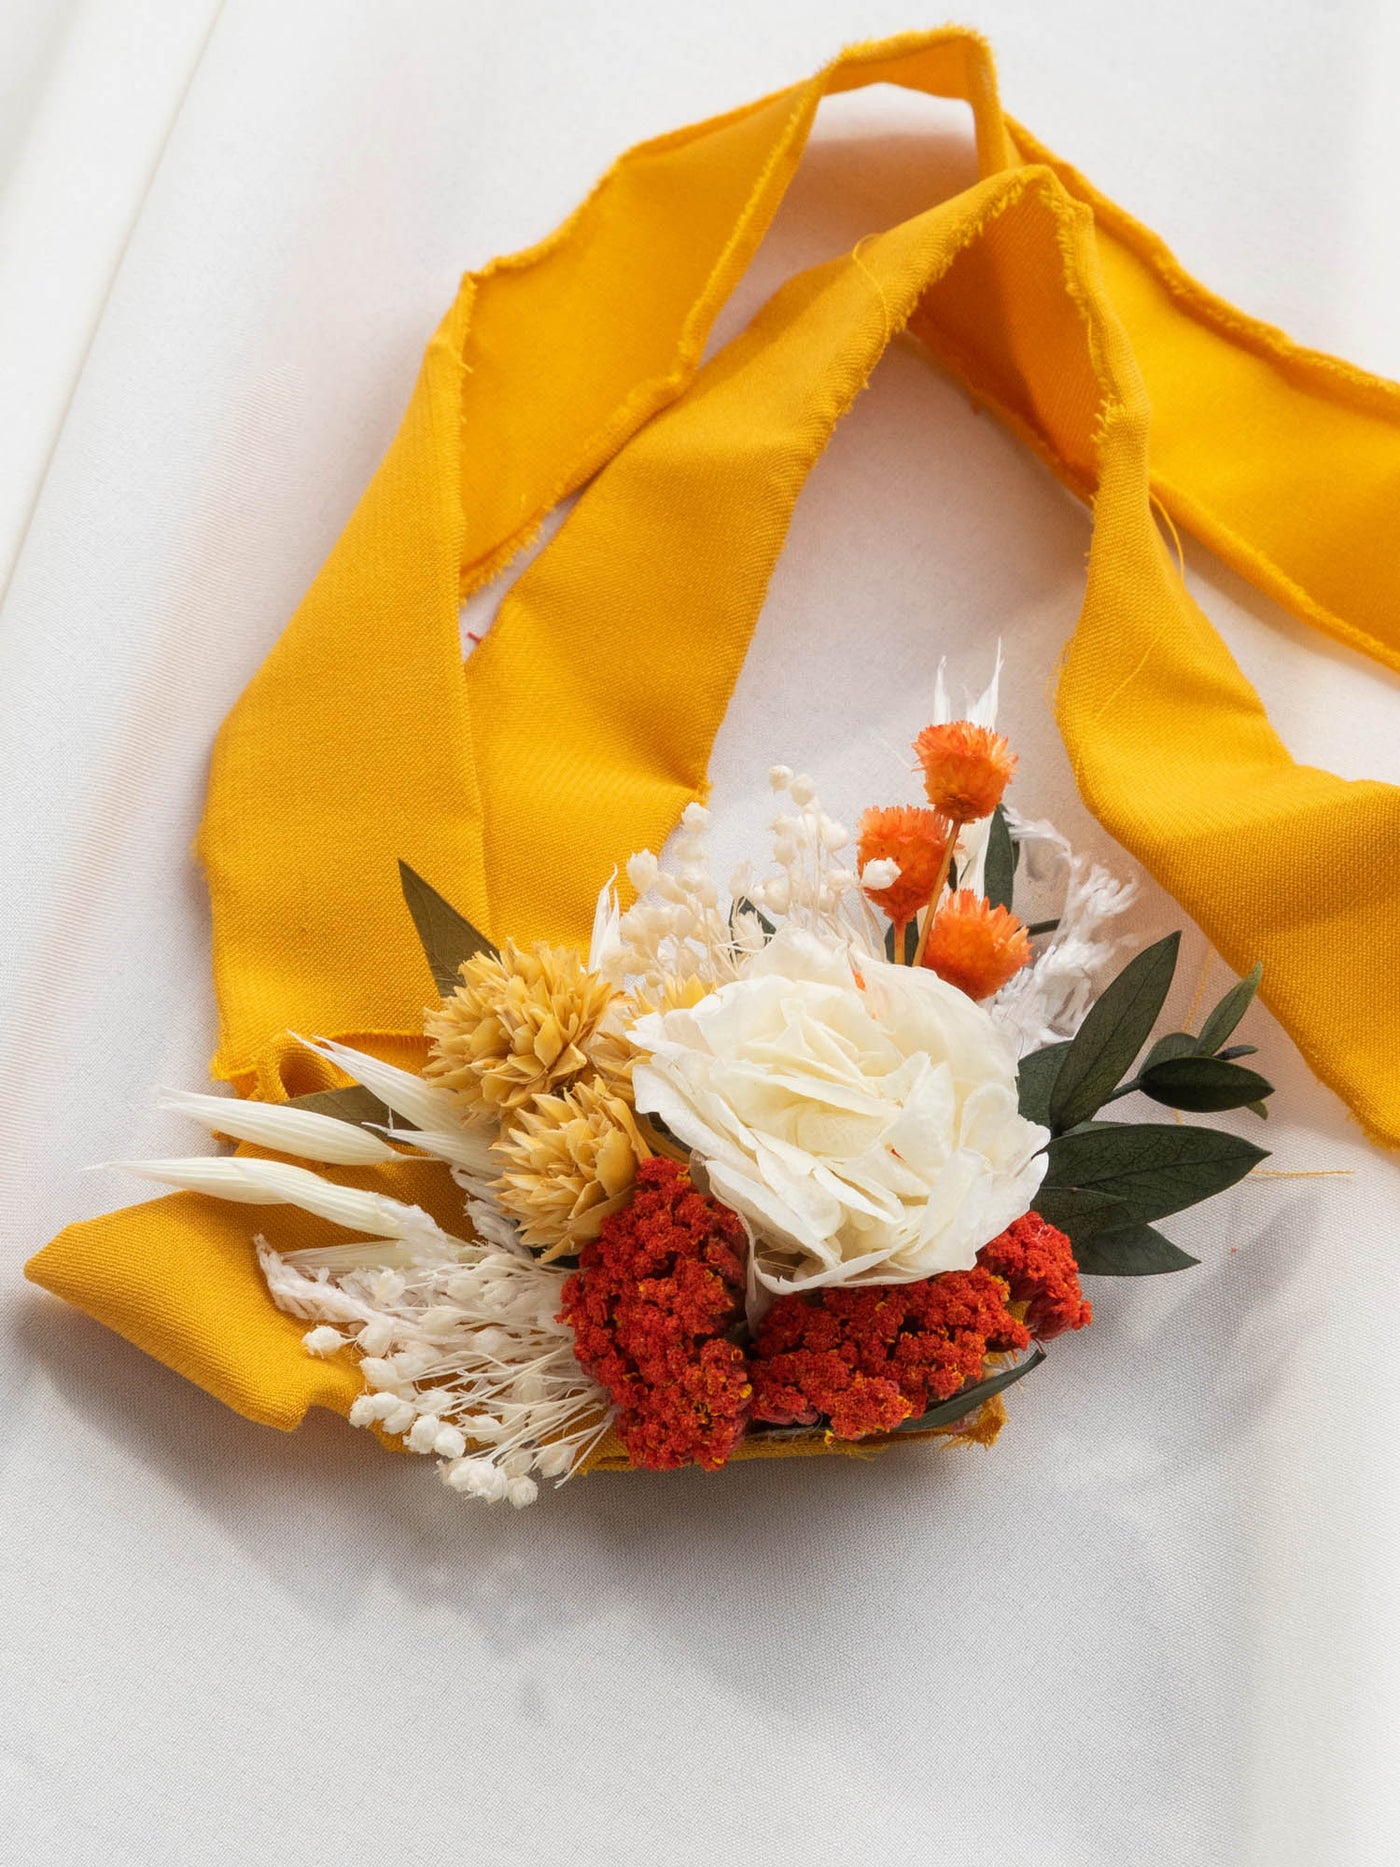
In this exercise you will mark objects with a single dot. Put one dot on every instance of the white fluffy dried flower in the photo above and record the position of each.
(475, 1360)
(867, 1132)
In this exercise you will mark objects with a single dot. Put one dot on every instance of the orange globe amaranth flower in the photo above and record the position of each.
(866, 1359)
(966, 769)
(1037, 1261)
(918, 841)
(975, 946)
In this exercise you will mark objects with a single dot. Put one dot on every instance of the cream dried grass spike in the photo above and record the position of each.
(251, 1182)
(281, 1129)
(436, 1114)
(459, 1341)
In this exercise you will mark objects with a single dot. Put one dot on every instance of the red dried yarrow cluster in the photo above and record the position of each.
(868, 1358)
(650, 1305)
(1038, 1263)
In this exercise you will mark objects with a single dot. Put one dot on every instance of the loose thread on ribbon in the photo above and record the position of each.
(1176, 535)
(875, 284)
(1200, 992)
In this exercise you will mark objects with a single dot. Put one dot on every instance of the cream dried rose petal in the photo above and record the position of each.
(867, 1130)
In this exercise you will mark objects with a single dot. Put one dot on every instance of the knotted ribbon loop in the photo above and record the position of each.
(518, 785)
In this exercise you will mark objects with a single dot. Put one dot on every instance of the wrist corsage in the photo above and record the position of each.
(813, 1163)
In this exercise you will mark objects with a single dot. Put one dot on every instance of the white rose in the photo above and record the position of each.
(867, 1130)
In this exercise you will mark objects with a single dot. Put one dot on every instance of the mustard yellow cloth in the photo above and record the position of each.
(583, 725)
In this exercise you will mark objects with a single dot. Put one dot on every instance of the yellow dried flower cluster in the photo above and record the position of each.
(522, 1023)
(569, 1160)
(612, 1053)
(535, 1043)
(674, 995)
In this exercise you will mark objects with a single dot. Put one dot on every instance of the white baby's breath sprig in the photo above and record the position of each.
(812, 887)
(883, 872)
(678, 930)
(675, 930)
(462, 1355)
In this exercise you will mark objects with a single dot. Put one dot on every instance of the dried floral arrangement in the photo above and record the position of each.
(817, 1166)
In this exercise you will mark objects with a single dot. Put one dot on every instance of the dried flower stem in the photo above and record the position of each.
(932, 908)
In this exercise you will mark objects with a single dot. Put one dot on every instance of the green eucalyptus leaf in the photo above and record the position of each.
(1229, 1011)
(970, 1398)
(1117, 1027)
(1174, 1044)
(1081, 1211)
(357, 1105)
(1204, 1085)
(1043, 927)
(1135, 1251)
(448, 938)
(742, 905)
(1155, 1168)
(999, 864)
(1237, 1050)
(1259, 1109)
(1035, 1080)
(889, 943)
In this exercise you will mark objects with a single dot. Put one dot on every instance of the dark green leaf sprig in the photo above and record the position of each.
(1107, 1182)
(968, 1399)
(448, 940)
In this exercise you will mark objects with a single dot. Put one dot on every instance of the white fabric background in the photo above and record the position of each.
(1158, 1622)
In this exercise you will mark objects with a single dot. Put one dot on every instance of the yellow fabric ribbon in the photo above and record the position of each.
(583, 724)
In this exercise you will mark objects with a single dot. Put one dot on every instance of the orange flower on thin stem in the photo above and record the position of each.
(966, 769)
(973, 945)
(919, 843)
